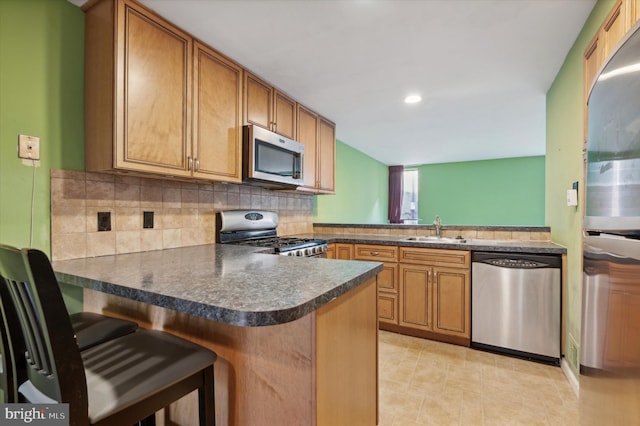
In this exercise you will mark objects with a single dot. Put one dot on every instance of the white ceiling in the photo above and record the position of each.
(483, 67)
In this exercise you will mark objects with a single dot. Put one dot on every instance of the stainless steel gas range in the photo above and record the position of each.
(258, 228)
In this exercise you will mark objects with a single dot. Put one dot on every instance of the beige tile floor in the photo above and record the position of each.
(423, 382)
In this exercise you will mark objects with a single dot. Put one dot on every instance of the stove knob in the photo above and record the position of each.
(291, 253)
(299, 253)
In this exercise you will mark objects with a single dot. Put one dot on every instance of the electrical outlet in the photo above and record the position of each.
(28, 147)
(104, 221)
(147, 220)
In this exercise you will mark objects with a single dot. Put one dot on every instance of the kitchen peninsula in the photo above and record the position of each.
(296, 337)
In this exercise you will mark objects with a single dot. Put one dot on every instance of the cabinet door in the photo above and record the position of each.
(387, 307)
(451, 294)
(308, 135)
(344, 251)
(388, 278)
(153, 89)
(331, 251)
(217, 113)
(284, 112)
(258, 98)
(376, 252)
(415, 296)
(614, 27)
(326, 156)
(592, 63)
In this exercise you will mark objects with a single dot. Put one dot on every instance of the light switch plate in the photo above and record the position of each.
(28, 147)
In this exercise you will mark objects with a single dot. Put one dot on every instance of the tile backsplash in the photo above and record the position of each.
(184, 213)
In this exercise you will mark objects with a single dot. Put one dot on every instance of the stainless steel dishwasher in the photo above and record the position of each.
(515, 304)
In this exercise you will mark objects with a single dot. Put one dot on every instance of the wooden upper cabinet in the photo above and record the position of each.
(217, 116)
(633, 11)
(144, 124)
(284, 112)
(319, 139)
(615, 27)
(269, 108)
(155, 75)
(308, 135)
(327, 156)
(159, 102)
(258, 99)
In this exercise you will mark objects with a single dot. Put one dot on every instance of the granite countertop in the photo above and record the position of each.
(230, 284)
(511, 246)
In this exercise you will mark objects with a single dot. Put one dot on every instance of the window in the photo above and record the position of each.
(409, 212)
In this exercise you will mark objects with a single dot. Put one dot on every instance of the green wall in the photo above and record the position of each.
(361, 190)
(491, 192)
(42, 94)
(565, 105)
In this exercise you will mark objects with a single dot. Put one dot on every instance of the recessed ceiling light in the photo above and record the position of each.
(412, 99)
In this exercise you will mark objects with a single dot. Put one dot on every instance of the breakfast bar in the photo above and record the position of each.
(296, 338)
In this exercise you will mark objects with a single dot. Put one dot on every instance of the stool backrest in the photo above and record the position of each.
(53, 362)
(12, 348)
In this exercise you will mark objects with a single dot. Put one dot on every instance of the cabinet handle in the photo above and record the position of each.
(197, 165)
(190, 166)
(428, 277)
(375, 253)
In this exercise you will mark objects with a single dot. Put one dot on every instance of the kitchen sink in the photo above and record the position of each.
(435, 239)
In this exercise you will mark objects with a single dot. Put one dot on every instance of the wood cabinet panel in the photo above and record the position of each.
(156, 77)
(308, 135)
(284, 112)
(388, 278)
(378, 253)
(327, 156)
(269, 108)
(388, 308)
(435, 257)
(217, 111)
(344, 251)
(451, 296)
(614, 27)
(415, 296)
(137, 91)
(347, 359)
(258, 98)
(331, 251)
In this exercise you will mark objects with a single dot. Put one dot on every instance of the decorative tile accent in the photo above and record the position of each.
(184, 212)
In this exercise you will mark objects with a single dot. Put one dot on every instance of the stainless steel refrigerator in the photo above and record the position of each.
(610, 341)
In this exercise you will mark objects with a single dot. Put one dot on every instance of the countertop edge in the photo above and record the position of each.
(220, 313)
(515, 246)
(516, 228)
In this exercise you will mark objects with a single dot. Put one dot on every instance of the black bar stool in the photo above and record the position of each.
(118, 382)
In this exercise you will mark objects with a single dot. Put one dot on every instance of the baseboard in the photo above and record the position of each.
(571, 377)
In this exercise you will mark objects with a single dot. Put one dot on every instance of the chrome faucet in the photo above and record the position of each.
(438, 225)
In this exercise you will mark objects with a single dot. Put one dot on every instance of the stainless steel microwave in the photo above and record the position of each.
(270, 159)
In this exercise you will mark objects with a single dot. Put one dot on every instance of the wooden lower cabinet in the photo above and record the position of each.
(388, 293)
(421, 291)
(451, 302)
(387, 307)
(340, 251)
(387, 279)
(415, 297)
(435, 292)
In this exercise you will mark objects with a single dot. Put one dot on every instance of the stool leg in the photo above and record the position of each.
(206, 399)
(149, 421)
